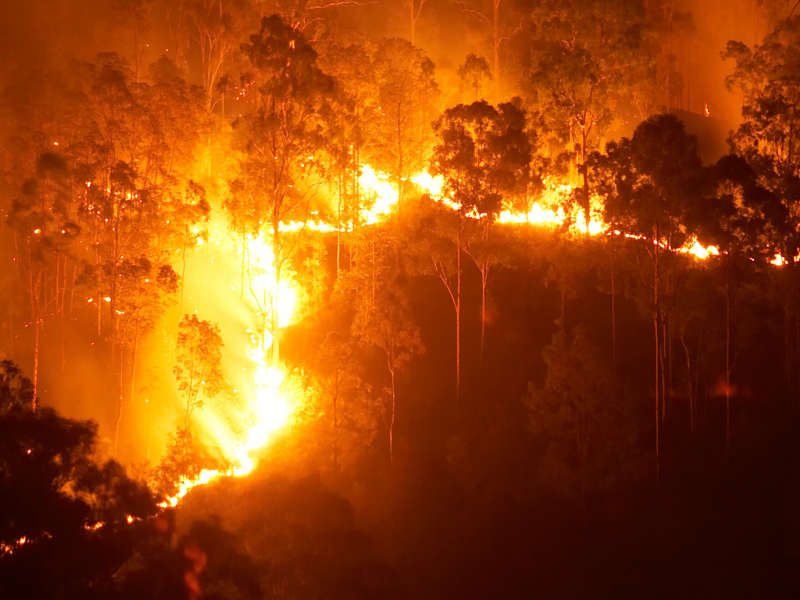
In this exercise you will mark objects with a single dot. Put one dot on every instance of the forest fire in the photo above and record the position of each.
(309, 300)
(268, 406)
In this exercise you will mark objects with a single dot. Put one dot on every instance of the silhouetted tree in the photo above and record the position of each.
(589, 436)
(482, 154)
(198, 369)
(387, 324)
(654, 185)
(63, 514)
(475, 74)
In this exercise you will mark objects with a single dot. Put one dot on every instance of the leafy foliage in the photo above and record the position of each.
(578, 412)
(199, 364)
(61, 512)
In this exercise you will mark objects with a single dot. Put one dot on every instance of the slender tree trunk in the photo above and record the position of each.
(413, 21)
(613, 312)
(394, 407)
(484, 284)
(689, 379)
(336, 430)
(728, 367)
(11, 328)
(36, 332)
(183, 267)
(458, 316)
(36, 317)
(399, 164)
(656, 327)
(587, 206)
(119, 399)
(277, 266)
(697, 372)
(663, 370)
(133, 357)
(339, 227)
(60, 307)
(496, 43)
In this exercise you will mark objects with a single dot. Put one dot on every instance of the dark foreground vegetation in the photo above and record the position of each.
(483, 407)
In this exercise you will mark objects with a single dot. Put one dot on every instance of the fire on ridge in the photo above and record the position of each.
(269, 405)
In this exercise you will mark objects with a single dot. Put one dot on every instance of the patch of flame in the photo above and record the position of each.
(262, 281)
(433, 185)
(696, 249)
(269, 408)
(384, 194)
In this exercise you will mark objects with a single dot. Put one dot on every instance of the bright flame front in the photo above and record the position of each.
(268, 409)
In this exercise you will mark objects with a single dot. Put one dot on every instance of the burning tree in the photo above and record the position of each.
(406, 88)
(579, 81)
(281, 141)
(355, 114)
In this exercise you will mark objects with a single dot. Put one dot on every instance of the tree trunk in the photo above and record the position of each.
(728, 366)
(496, 43)
(689, 379)
(663, 352)
(587, 206)
(336, 430)
(36, 317)
(119, 399)
(36, 329)
(484, 284)
(613, 312)
(183, 267)
(276, 265)
(60, 308)
(133, 357)
(458, 317)
(399, 164)
(394, 406)
(339, 227)
(413, 21)
(656, 327)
